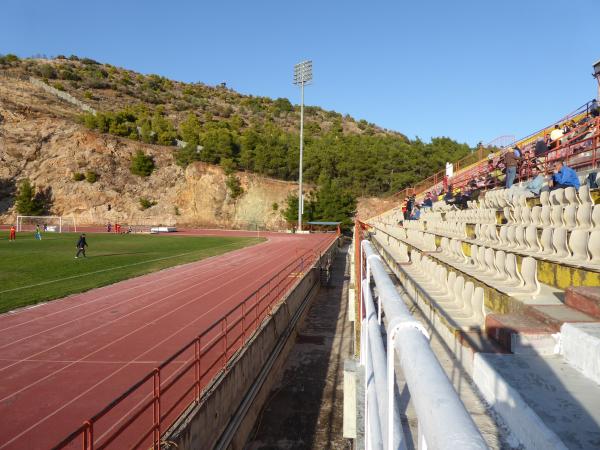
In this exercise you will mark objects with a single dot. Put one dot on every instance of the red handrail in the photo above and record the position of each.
(232, 332)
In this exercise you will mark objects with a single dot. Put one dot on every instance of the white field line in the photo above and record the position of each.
(118, 370)
(173, 271)
(102, 270)
(109, 306)
(92, 330)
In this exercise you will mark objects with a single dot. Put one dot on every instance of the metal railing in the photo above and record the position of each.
(138, 417)
(443, 421)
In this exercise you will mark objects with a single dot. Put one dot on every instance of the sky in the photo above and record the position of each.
(472, 70)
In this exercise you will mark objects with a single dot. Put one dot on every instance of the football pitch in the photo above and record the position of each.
(33, 271)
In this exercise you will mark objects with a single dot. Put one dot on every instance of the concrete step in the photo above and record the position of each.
(584, 299)
(521, 333)
(555, 315)
(580, 347)
(546, 403)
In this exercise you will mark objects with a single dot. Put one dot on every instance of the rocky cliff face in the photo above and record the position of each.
(41, 140)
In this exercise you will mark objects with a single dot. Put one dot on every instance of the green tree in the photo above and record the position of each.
(189, 129)
(27, 202)
(235, 186)
(142, 164)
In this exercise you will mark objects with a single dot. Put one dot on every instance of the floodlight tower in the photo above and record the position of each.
(302, 76)
(596, 75)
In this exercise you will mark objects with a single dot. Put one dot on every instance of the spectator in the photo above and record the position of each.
(564, 177)
(428, 202)
(594, 109)
(410, 204)
(557, 133)
(449, 197)
(511, 160)
(533, 187)
(540, 147)
(416, 213)
(404, 209)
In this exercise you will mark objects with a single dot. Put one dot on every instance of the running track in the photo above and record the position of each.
(62, 362)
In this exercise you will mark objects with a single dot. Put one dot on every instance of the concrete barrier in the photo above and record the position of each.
(216, 422)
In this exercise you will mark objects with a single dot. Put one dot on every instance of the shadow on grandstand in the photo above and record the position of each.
(558, 406)
(304, 410)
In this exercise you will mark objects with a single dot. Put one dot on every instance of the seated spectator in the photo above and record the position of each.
(449, 196)
(416, 213)
(533, 187)
(557, 133)
(428, 202)
(564, 177)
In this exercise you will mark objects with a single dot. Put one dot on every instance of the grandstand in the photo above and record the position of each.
(512, 283)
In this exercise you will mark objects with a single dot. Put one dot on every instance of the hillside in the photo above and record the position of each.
(201, 138)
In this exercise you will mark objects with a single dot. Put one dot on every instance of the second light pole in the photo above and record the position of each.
(302, 76)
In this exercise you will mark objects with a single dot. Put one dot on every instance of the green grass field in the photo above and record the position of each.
(33, 271)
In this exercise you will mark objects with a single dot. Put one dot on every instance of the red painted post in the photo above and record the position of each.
(197, 368)
(156, 408)
(88, 436)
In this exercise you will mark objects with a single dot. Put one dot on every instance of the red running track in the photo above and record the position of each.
(63, 361)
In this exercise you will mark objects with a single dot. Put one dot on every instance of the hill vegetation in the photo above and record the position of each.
(217, 125)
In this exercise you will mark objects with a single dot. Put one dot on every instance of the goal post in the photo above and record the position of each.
(56, 224)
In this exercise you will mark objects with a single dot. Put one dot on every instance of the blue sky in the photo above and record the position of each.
(469, 69)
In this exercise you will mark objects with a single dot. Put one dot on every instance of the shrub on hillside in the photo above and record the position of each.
(91, 176)
(146, 203)
(58, 86)
(78, 176)
(142, 164)
(46, 71)
(235, 186)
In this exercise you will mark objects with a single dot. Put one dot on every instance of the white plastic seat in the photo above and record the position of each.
(570, 216)
(536, 216)
(571, 196)
(584, 194)
(557, 197)
(545, 198)
(559, 242)
(531, 285)
(509, 215)
(510, 266)
(500, 263)
(511, 236)
(531, 237)
(520, 238)
(546, 241)
(557, 216)
(462, 308)
(456, 297)
(584, 216)
(596, 216)
(594, 247)
(546, 216)
(525, 216)
(578, 245)
(503, 236)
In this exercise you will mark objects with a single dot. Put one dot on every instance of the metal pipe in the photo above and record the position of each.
(377, 357)
(442, 416)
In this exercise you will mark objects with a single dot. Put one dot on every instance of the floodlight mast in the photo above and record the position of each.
(302, 76)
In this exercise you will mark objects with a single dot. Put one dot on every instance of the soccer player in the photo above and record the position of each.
(13, 234)
(38, 234)
(81, 245)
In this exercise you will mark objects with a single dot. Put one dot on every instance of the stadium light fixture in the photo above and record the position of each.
(302, 76)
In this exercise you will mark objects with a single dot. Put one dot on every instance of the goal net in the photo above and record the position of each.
(53, 224)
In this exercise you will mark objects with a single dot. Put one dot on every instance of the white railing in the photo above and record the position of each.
(443, 421)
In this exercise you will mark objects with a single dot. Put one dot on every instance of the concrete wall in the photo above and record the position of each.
(202, 425)
(64, 95)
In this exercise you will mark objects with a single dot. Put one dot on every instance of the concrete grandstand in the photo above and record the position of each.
(509, 282)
